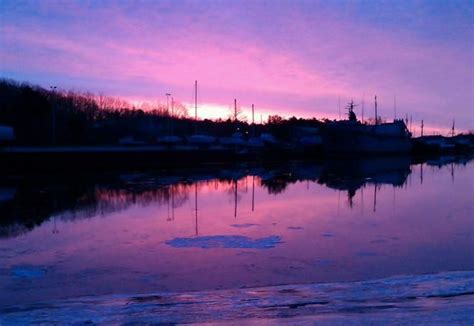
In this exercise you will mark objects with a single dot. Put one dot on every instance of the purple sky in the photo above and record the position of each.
(286, 57)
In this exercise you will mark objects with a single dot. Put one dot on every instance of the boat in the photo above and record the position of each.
(352, 136)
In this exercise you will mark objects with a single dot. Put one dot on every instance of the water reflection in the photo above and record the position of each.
(232, 226)
(27, 202)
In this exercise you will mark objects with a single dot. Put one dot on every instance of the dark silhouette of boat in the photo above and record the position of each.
(352, 136)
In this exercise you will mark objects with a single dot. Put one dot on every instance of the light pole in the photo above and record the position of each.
(53, 115)
(168, 103)
(168, 113)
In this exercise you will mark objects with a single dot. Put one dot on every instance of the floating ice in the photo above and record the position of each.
(324, 262)
(244, 225)
(366, 254)
(28, 272)
(295, 228)
(328, 235)
(225, 241)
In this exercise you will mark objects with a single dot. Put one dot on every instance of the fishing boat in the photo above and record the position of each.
(352, 136)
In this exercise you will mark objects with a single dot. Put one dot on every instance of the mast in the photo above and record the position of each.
(196, 206)
(375, 197)
(363, 102)
(195, 100)
(195, 105)
(394, 108)
(253, 120)
(172, 203)
(339, 105)
(452, 129)
(422, 125)
(376, 119)
(235, 198)
(253, 193)
(253, 114)
(235, 110)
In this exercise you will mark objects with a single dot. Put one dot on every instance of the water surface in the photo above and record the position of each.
(232, 227)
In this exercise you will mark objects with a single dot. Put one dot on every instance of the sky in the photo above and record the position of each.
(292, 58)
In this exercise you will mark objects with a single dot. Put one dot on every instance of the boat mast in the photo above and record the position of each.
(339, 106)
(195, 100)
(253, 115)
(394, 108)
(253, 193)
(196, 207)
(195, 105)
(363, 102)
(376, 119)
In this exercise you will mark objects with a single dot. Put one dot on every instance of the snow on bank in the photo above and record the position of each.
(445, 298)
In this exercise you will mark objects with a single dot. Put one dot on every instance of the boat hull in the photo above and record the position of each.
(351, 138)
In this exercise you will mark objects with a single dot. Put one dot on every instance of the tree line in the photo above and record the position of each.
(45, 117)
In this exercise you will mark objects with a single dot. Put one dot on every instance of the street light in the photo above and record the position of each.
(53, 115)
(168, 103)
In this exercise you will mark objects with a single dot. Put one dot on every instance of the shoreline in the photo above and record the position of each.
(15, 159)
(444, 297)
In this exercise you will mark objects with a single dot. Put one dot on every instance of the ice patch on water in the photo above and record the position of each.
(328, 235)
(27, 272)
(378, 241)
(324, 262)
(366, 254)
(225, 241)
(244, 225)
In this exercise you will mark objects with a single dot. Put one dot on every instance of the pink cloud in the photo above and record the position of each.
(298, 63)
